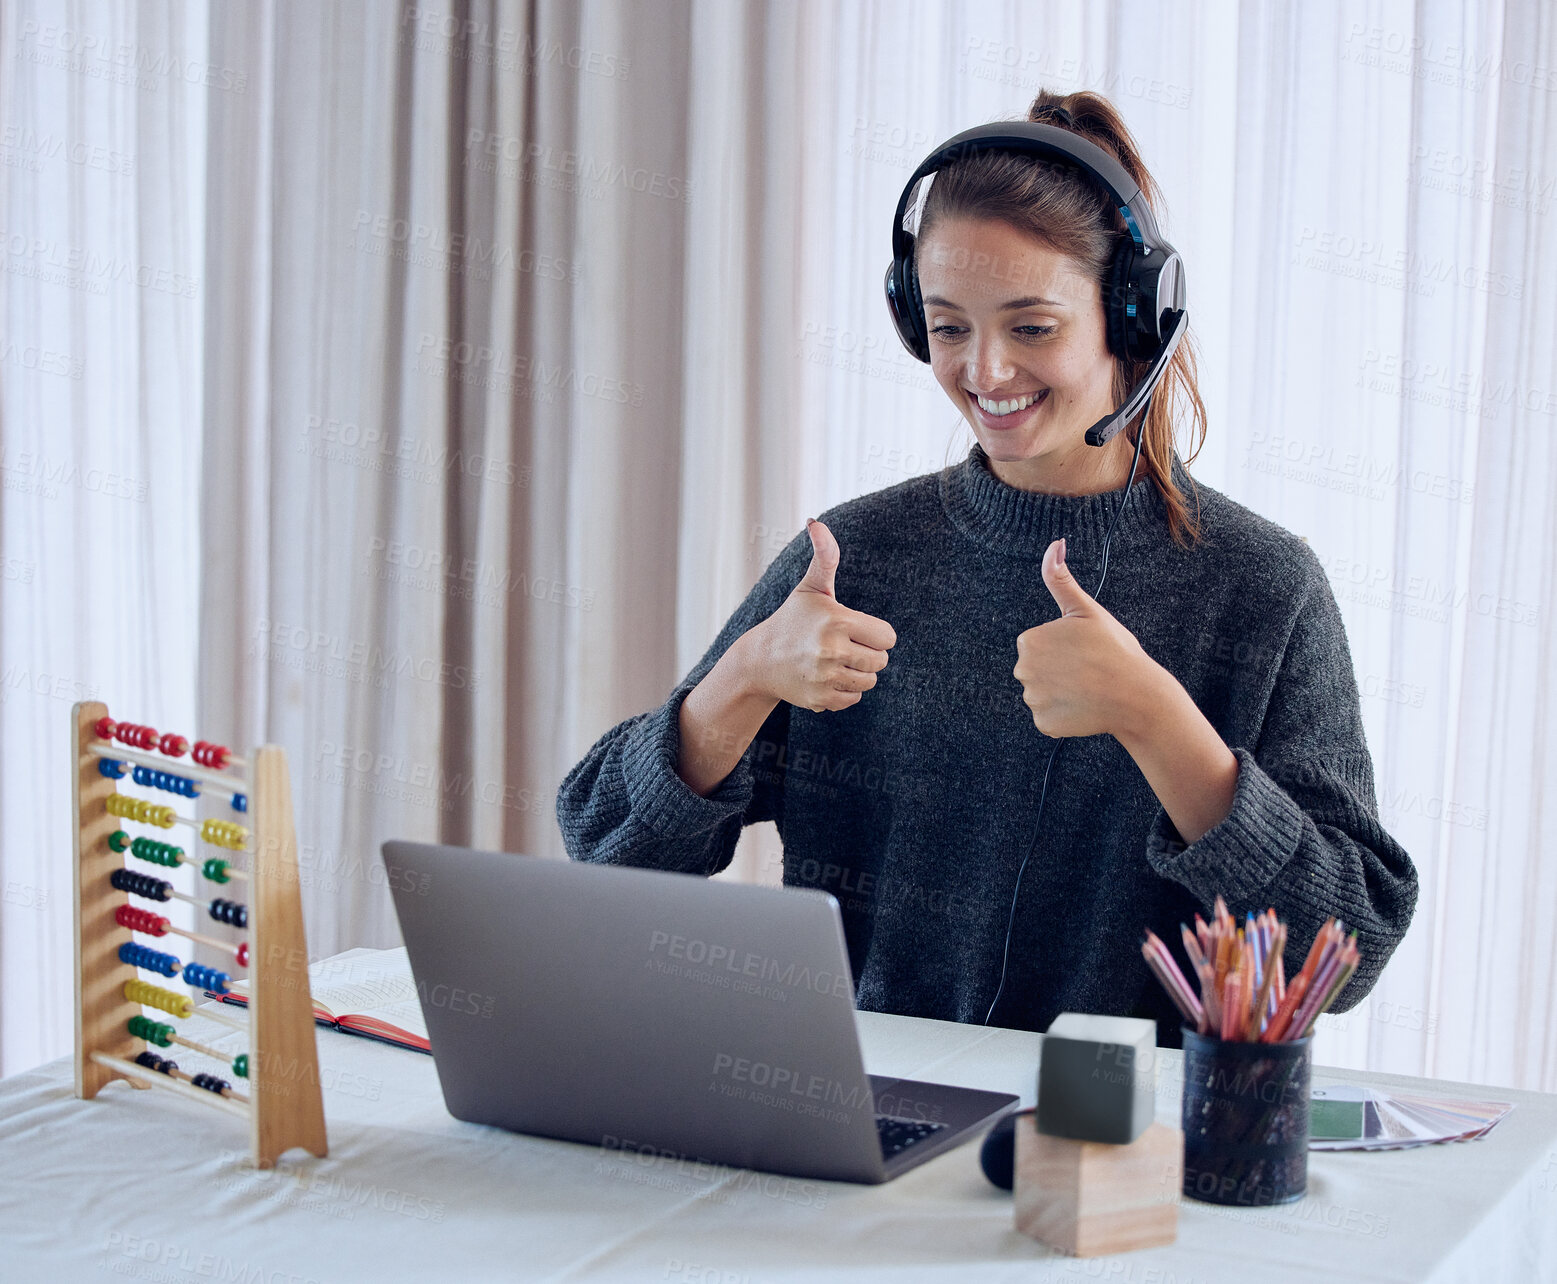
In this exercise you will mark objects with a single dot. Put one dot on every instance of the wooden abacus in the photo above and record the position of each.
(284, 1106)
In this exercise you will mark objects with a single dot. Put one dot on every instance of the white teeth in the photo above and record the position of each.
(1009, 407)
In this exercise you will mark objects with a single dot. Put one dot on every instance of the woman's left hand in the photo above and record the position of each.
(1085, 673)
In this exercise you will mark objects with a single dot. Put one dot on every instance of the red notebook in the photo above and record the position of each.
(369, 993)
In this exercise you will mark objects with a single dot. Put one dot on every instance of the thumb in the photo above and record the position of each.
(1072, 598)
(824, 560)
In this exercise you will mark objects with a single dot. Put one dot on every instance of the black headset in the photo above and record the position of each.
(1145, 308)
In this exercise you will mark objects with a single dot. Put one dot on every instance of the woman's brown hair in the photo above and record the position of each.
(1071, 213)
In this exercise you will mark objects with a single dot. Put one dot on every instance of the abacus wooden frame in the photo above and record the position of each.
(285, 1107)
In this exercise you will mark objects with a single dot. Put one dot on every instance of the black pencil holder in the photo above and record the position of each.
(1245, 1120)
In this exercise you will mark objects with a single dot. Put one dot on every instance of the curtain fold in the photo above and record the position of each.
(102, 295)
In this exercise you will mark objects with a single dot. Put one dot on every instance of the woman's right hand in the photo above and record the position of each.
(813, 651)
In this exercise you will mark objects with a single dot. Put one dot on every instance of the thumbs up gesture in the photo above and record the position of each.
(1084, 673)
(814, 651)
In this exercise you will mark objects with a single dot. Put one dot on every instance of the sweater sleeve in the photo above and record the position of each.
(624, 804)
(1304, 834)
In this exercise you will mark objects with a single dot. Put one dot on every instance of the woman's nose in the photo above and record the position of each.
(989, 363)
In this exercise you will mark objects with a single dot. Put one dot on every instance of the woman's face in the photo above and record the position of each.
(1015, 326)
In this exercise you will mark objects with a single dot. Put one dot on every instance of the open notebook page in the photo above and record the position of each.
(366, 986)
(369, 983)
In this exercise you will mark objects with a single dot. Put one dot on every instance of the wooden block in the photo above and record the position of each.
(1089, 1198)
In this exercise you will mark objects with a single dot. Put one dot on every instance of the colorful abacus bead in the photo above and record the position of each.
(151, 960)
(174, 746)
(152, 778)
(157, 1032)
(205, 978)
(230, 912)
(240, 1065)
(242, 954)
(139, 809)
(135, 735)
(153, 889)
(105, 727)
(211, 1083)
(215, 869)
(152, 1061)
(208, 755)
(154, 996)
(240, 802)
(224, 833)
(149, 849)
(113, 768)
(118, 840)
(139, 920)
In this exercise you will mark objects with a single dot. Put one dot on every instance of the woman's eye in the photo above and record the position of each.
(947, 331)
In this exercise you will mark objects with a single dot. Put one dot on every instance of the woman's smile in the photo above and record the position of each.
(1005, 412)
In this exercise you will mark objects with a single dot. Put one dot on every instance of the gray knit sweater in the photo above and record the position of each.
(915, 806)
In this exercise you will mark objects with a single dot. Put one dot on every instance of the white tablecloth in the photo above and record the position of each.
(144, 1186)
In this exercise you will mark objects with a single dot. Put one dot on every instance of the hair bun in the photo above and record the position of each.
(1052, 113)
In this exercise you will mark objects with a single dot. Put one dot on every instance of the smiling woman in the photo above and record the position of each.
(911, 770)
(1013, 256)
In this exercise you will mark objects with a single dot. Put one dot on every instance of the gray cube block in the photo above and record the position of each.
(1097, 1078)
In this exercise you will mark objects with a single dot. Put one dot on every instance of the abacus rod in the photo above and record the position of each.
(185, 896)
(237, 951)
(197, 862)
(203, 902)
(215, 944)
(227, 784)
(229, 1093)
(205, 940)
(205, 1049)
(236, 1105)
(211, 1012)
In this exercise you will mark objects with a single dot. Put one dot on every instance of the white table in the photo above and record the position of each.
(144, 1186)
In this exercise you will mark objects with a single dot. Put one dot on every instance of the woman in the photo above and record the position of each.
(864, 697)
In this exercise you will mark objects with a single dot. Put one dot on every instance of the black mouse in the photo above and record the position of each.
(997, 1156)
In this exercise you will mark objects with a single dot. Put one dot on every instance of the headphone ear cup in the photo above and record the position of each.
(902, 291)
(1116, 296)
(916, 312)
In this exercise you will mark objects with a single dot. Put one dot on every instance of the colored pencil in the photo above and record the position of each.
(1318, 988)
(1168, 970)
(1283, 1018)
(1182, 1001)
(1192, 946)
(1230, 1005)
(1340, 984)
(1240, 989)
(1262, 999)
(1343, 964)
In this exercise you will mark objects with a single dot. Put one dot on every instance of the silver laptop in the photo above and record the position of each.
(658, 1013)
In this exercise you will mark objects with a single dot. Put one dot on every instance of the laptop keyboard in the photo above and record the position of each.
(897, 1135)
